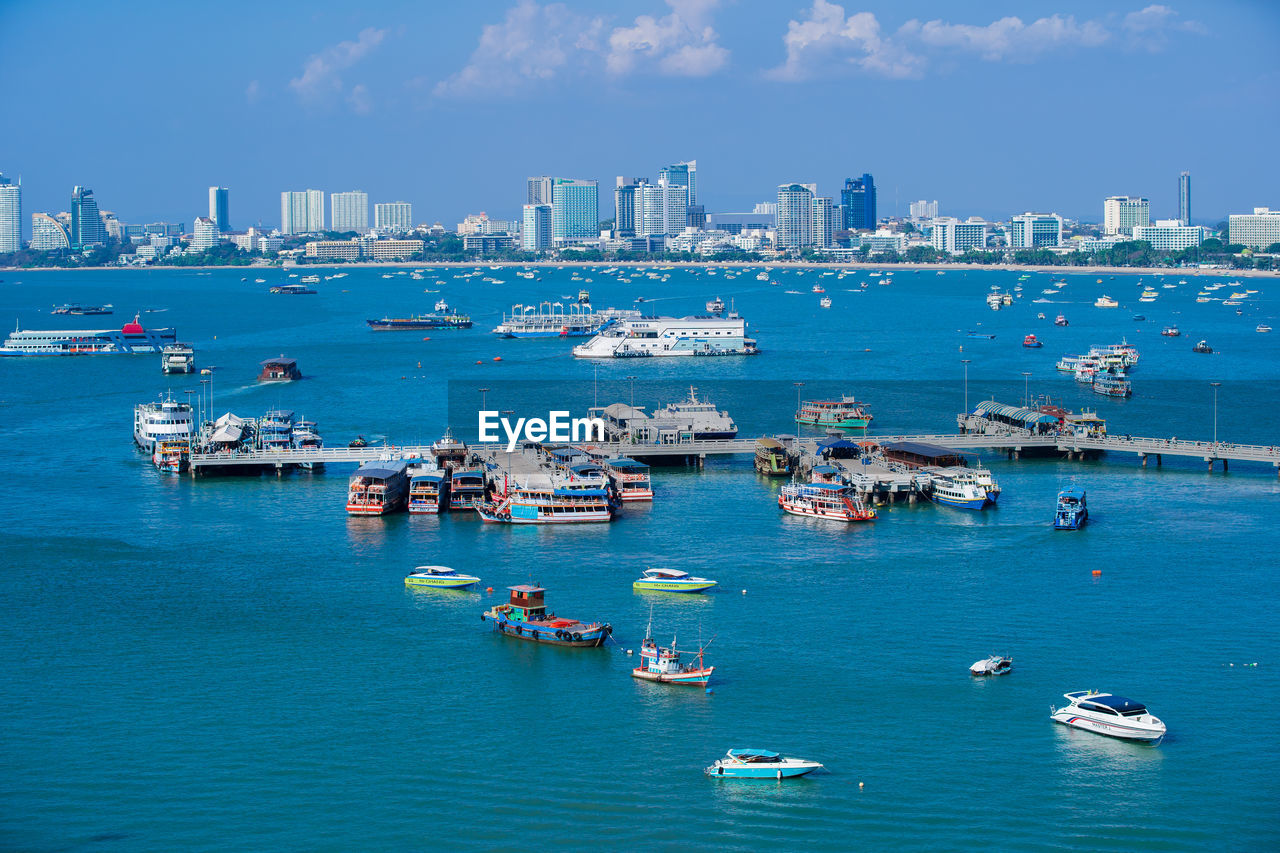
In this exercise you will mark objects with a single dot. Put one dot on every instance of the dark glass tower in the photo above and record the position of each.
(1184, 198)
(86, 222)
(858, 198)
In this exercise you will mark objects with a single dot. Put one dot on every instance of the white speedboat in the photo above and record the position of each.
(671, 580)
(760, 764)
(1105, 302)
(439, 577)
(1109, 714)
(994, 665)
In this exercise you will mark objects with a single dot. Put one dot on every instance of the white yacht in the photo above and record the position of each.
(132, 338)
(1109, 714)
(178, 358)
(1105, 301)
(669, 337)
(699, 418)
(164, 420)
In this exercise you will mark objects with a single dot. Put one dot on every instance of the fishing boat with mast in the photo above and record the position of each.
(663, 664)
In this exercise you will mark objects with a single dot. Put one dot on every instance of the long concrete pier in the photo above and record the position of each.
(1014, 445)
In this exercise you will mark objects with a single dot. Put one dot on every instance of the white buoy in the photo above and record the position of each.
(744, 592)
(628, 652)
(860, 784)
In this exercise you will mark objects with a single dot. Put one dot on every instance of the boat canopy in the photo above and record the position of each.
(665, 573)
(1124, 706)
(624, 462)
(585, 493)
(754, 754)
(381, 470)
(841, 447)
(433, 570)
(826, 487)
(1013, 414)
(1072, 492)
(770, 443)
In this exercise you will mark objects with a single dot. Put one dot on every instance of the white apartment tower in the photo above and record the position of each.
(1122, 213)
(302, 212)
(349, 211)
(395, 217)
(10, 215)
(795, 215)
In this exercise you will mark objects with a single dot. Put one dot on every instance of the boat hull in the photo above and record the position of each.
(576, 636)
(441, 583)
(722, 771)
(1068, 717)
(961, 503)
(837, 423)
(672, 586)
(829, 514)
(697, 677)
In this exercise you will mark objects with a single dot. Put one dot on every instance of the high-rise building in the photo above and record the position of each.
(955, 237)
(1170, 235)
(535, 235)
(349, 211)
(301, 212)
(539, 190)
(205, 234)
(1184, 198)
(220, 208)
(393, 216)
(795, 215)
(923, 211)
(624, 205)
(1035, 231)
(48, 234)
(86, 222)
(823, 225)
(1257, 230)
(575, 211)
(10, 215)
(1122, 213)
(661, 209)
(682, 175)
(858, 198)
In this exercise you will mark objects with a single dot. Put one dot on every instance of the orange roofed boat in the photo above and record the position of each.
(525, 617)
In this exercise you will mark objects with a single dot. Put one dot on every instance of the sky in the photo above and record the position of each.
(991, 108)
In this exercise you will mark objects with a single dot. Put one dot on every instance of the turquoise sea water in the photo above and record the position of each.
(233, 663)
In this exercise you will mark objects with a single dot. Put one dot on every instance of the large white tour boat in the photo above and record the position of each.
(667, 337)
(132, 338)
(163, 420)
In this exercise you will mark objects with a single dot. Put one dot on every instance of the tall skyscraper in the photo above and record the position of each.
(1122, 213)
(795, 215)
(682, 175)
(624, 205)
(86, 222)
(575, 211)
(535, 233)
(302, 212)
(393, 216)
(349, 211)
(1184, 198)
(661, 209)
(822, 226)
(10, 215)
(538, 190)
(220, 208)
(858, 198)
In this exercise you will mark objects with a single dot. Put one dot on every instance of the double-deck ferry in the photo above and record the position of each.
(378, 488)
(1111, 383)
(630, 479)
(428, 490)
(772, 458)
(171, 456)
(845, 413)
(700, 420)
(525, 617)
(130, 339)
(668, 337)
(164, 420)
(554, 320)
(466, 488)
(961, 492)
(566, 501)
(834, 501)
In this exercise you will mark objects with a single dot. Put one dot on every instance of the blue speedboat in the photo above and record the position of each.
(760, 764)
(1073, 511)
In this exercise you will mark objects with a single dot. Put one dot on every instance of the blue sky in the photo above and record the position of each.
(990, 108)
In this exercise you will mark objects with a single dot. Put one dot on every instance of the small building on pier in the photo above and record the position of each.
(918, 454)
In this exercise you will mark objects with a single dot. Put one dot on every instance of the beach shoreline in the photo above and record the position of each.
(654, 264)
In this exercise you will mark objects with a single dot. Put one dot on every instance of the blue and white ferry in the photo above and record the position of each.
(961, 492)
(1073, 511)
(130, 339)
(669, 337)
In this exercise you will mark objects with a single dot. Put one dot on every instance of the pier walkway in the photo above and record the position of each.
(1012, 444)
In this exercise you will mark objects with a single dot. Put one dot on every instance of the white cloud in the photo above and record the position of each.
(532, 43)
(320, 76)
(535, 43)
(827, 36)
(681, 43)
(358, 99)
(826, 39)
(252, 92)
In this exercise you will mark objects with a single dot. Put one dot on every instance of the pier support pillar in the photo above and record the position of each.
(279, 470)
(1142, 457)
(1159, 460)
(1017, 453)
(1225, 467)
(1210, 461)
(912, 498)
(702, 460)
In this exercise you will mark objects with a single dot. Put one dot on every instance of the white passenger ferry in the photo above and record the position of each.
(130, 339)
(669, 337)
(554, 320)
(164, 420)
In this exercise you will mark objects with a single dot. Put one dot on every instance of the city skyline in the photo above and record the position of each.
(935, 91)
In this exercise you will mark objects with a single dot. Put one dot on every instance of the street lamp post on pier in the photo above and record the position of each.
(798, 385)
(965, 362)
(1215, 410)
(1026, 388)
(484, 399)
(632, 379)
